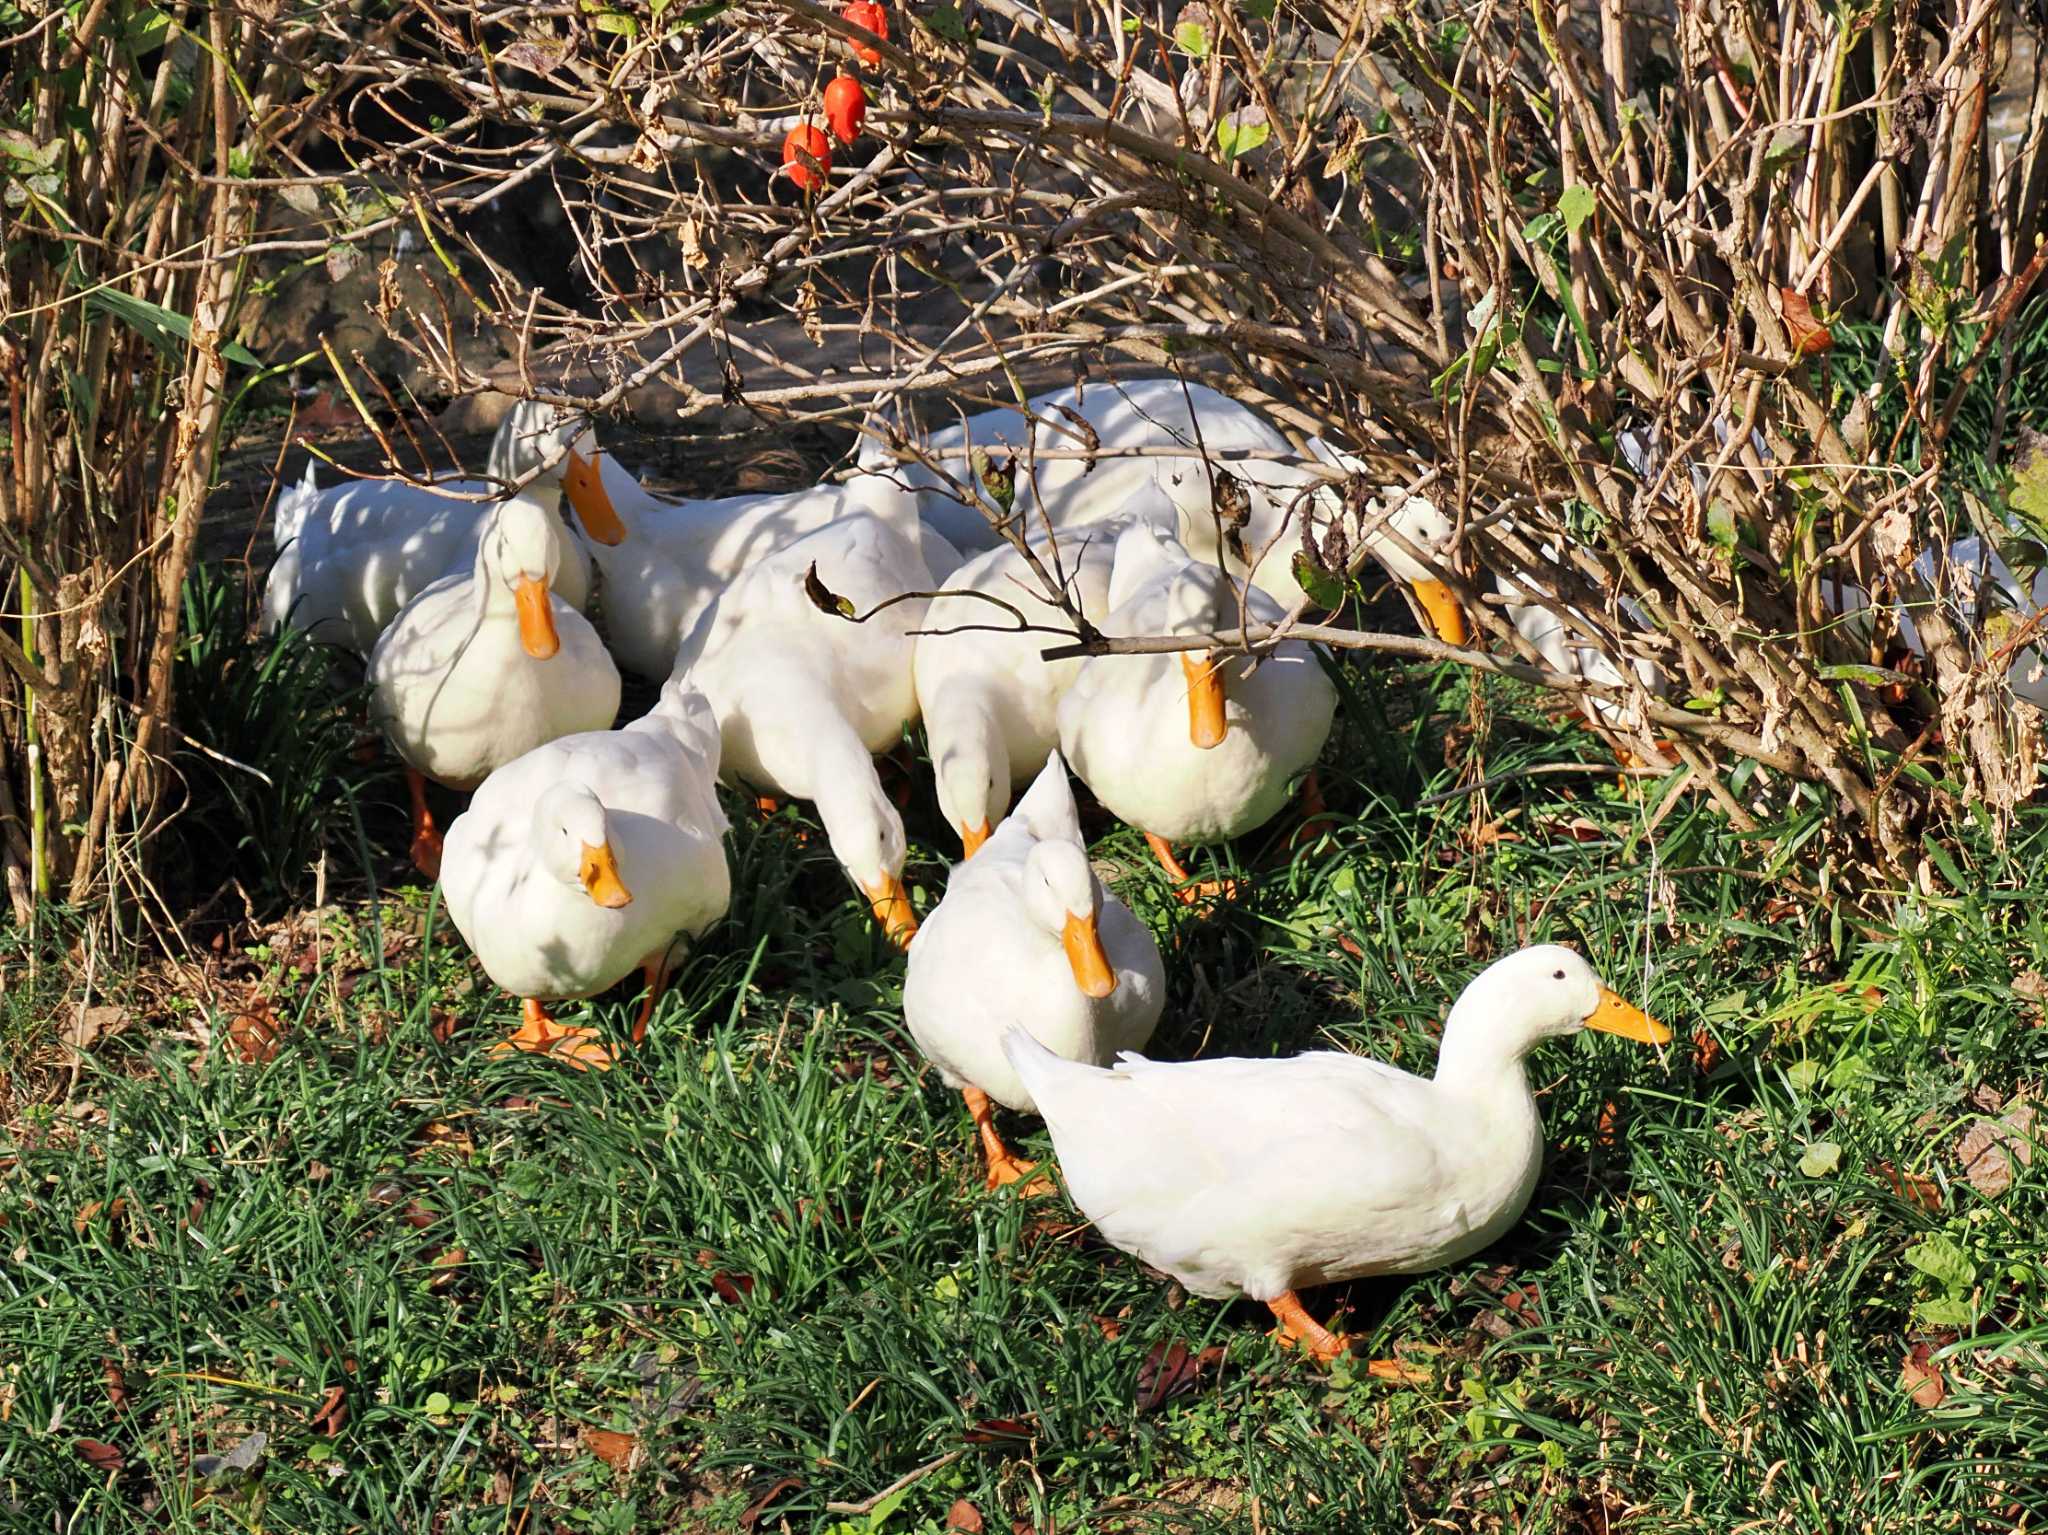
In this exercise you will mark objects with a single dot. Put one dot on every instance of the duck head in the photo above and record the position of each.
(520, 553)
(573, 836)
(1534, 994)
(972, 773)
(1061, 895)
(563, 446)
(866, 834)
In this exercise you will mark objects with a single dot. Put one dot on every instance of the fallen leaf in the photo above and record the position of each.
(439, 1134)
(86, 1216)
(1821, 1159)
(732, 1288)
(254, 1036)
(1912, 1187)
(1920, 1378)
(2033, 990)
(1991, 1149)
(1605, 1129)
(117, 1384)
(1706, 1050)
(1169, 1371)
(442, 1029)
(1809, 336)
(98, 1454)
(238, 1464)
(760, 1504)
(332, 1414)
(964, 1518)
(996, 1430)
(86, 1026)
(1110, 1328)
(614, 1449)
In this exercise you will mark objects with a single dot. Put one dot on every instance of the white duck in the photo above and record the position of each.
(1187, 747)
(805, 698)
(481, 668)
(588, 857)
(1263, 1177)
(989, 698)
(350, 557)
(1568, 650)
(1218, 437)
(1026, 937)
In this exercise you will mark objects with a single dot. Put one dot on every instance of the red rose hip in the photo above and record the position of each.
(846, 107)
(806, 139)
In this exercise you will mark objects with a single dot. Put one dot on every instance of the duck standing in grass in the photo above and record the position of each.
(1264, 1177)
(1026, 937)
(480, 668)
(588, 857)
(805, 698)
(1186, 746)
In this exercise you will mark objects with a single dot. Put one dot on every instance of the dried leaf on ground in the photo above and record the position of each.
(85, 1027)
(1912, 1187)
(963, 1518)
(608, 1445)
(98, 1454)
(332, 1414)
(1398, 1372)
(117, 1383)
(1809, 335)
(760, 1504)
(1991, 1150)
(254, 1037)
(1170, 1370)
(1921, 1379)
(91, 1212)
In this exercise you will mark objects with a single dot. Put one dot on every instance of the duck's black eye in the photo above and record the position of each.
(1557, 975)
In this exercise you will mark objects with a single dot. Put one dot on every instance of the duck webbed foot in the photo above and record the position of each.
(539, 1034)
(1004, 1165)
(1190, 890)
(1297, 1327)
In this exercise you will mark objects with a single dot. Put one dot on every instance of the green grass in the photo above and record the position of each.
(761, 1246)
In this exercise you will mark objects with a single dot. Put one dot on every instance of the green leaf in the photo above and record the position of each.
(1821, 1159)
(1259, 10)
(1946, 1311)
(1721, 526)
(145, 28)
(164, 329)
(618, 22)
(947, 22)
(1943, 1261)
(1132, 23)
(1803, 1074)
(697, 15)
(1192, 38)
(1236, 137)
(437, 1405)
(1788, 146)
(1575, 206)
(1323, 589)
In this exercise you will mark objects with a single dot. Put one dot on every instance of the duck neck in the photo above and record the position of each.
(1472, 1061)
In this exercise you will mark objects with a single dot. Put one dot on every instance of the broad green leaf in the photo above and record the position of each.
(947, 22)
(1821, 1160)
(1324, 589)
(1803, 1074)
(1260, 10)
(437, 1405)
(1946, 1311)
(1943, 1261)
(1192, 38)
(1575, 206)
(1236, 137)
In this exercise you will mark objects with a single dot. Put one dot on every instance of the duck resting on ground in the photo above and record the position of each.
(588, 857)
(1026, 937)
(1265, 1177)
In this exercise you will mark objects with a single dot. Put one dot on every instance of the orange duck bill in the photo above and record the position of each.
(1616, 1016)
(972, 837)
(599, 871)
(890, 903)
(1086, 956)
(1206, 723)
(536, 618)
(1445, 613)
(583, 482)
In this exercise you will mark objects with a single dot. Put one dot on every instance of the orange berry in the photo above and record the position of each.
(866, 13)
(802, 140)
(846, 107)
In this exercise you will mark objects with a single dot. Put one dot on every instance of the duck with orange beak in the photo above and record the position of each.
(481, 668)
(1027, 937)
(1191, 747)
(587, 858)
(1263, 1177)
(806, 699)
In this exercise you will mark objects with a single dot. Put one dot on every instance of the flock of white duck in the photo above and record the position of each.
(587, 852)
